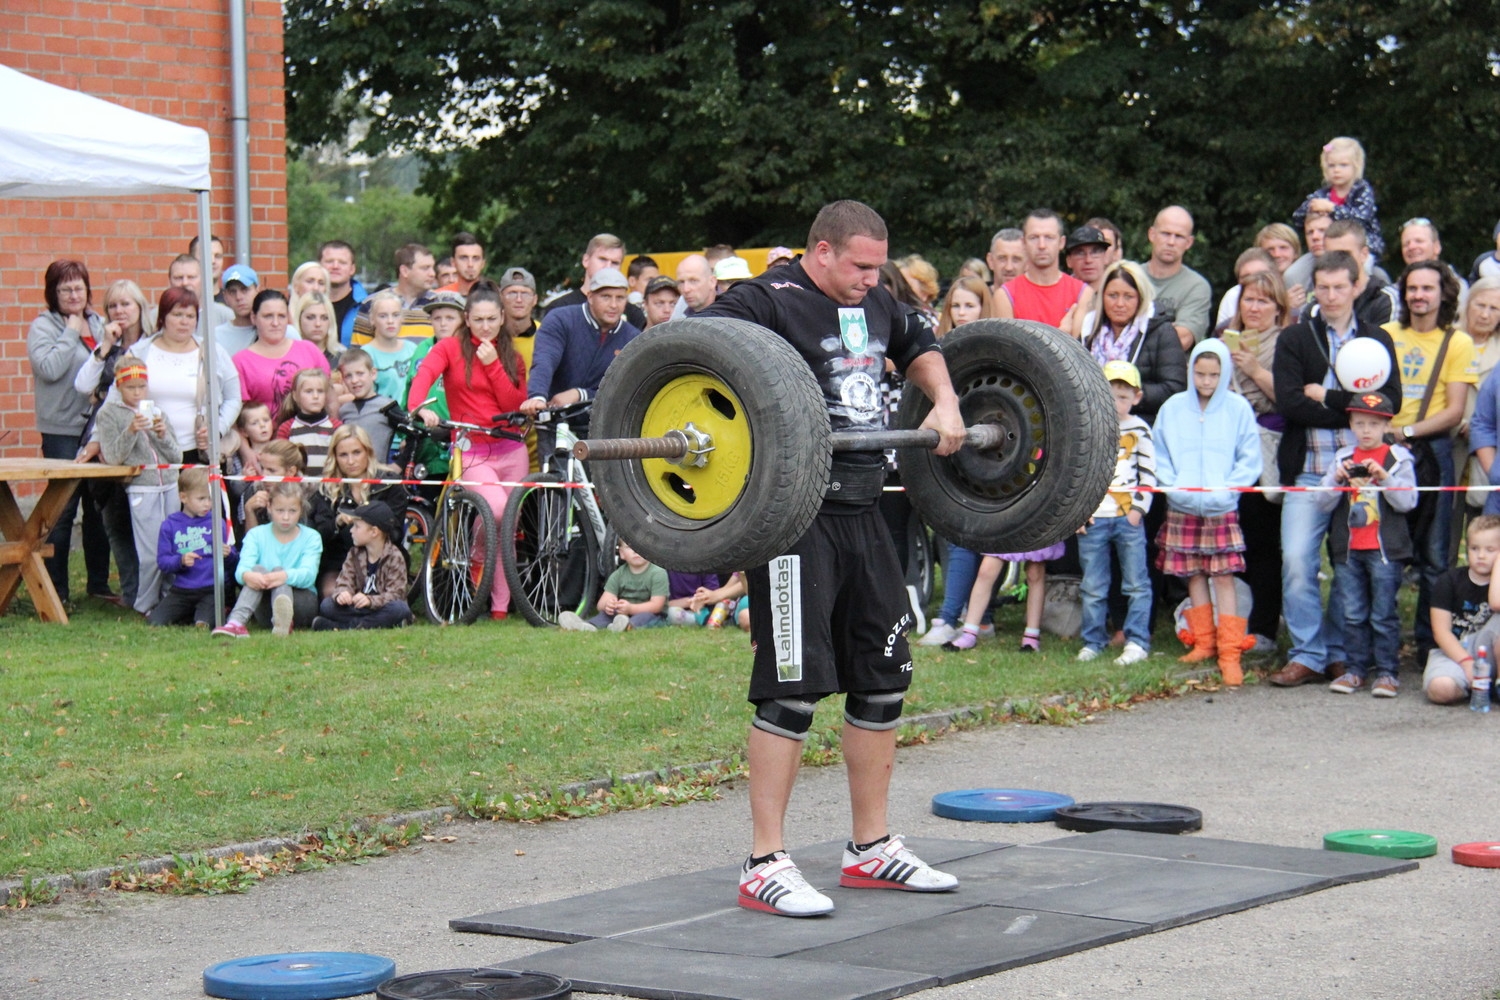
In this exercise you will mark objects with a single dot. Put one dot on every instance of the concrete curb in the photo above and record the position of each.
(98, 878)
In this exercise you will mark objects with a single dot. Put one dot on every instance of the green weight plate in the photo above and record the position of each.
(1382, 843)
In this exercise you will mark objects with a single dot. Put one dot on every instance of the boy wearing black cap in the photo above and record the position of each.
(370, 591)
(1369, 542)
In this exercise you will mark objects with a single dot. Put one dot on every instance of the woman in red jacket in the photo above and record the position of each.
(482, 375)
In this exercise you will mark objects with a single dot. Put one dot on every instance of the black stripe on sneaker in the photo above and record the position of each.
(772, 892)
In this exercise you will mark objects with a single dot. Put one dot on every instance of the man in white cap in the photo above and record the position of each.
(730, 270)
(576, 344)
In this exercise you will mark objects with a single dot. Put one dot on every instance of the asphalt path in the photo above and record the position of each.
(1267, 766)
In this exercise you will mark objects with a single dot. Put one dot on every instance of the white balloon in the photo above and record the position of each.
(1363, 365)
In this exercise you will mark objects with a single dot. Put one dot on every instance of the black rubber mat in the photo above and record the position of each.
(683, 937)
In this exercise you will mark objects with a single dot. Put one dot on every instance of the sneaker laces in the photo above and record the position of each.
(792, 878)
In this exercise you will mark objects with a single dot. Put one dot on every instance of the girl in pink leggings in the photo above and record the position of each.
(482, 375)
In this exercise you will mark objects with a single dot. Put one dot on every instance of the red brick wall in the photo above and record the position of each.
(168, 58)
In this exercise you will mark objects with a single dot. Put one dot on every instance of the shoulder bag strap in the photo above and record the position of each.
(1432, 380)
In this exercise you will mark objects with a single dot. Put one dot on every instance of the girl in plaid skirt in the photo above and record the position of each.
(1206, 437)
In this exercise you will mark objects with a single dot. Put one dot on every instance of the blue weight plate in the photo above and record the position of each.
(307, 975)
(999, 805)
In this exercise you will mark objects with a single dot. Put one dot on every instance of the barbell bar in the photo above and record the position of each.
(678, 445)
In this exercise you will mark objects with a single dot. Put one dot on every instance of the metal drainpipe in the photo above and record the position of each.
(240, 122)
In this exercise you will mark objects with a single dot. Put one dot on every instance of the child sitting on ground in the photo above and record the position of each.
(133, 431)
(681, 587)
(280, 559)
(1369, 544)
(364, 406)
(635, 595)
(1206, 437)
(185, 552)
(1465, 602)
(277, 458)
(733, 596)
(371, 588)
(1118, 526)
(306, 415)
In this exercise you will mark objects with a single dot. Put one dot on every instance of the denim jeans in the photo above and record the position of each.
(958, 579)
(1368, 583)
(1129, 544)
(1433, 549)
(1317, 637)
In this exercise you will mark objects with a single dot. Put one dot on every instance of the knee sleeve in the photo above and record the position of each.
(877, 711)
(787, 717)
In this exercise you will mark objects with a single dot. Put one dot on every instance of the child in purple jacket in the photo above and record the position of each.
(184, 551)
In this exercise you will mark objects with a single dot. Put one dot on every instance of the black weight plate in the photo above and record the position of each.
(475, 984)
(1143, 817)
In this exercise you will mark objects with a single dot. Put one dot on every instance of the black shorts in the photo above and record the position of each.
(832, 613)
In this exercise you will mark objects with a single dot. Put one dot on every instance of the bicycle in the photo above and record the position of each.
(451, 540)
(556, 549)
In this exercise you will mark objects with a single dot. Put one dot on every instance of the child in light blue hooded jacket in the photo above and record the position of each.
(1206, 437)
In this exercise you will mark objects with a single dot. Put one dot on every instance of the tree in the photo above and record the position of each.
(376, 221)
(678, 123)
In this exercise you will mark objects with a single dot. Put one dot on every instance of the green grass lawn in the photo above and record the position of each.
(121, 742)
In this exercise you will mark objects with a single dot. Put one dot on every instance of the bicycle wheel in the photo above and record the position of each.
(550, 555)
(459, 564)
(418, 528)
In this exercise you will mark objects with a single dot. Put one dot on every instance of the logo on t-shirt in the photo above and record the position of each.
(1412, 364)
(853, 330)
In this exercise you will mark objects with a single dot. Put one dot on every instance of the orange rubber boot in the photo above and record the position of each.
(1200, 619)
(1231, 645)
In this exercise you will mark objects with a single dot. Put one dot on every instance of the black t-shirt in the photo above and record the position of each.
(341, 308)
(1467, 601)
(634, 314)
(845, 346)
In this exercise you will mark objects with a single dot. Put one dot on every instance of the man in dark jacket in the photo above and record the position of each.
(1309, 396)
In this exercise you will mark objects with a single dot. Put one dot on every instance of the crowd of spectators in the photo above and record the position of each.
(325, 352)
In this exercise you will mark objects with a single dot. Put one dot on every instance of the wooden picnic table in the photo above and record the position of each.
(25, 544)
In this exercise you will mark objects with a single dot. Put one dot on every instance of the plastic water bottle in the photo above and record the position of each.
(721, 614)
(1479, 691)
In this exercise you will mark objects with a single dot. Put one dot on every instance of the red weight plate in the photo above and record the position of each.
(1480, 854)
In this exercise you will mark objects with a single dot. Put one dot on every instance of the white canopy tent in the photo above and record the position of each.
(60, 143)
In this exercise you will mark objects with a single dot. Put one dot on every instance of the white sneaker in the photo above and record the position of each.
(569, 621)
(619, 623)
(281, 614)
(891, 866)
(940, 633)
(1134, 653)
(1087, 653)
(777, 886)
(681, 616)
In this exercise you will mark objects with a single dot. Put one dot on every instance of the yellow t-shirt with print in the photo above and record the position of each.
(1415, 354)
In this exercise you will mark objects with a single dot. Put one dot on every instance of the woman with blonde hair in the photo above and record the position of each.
(312, 319)
(309, 277)
(968, 299)
(923, 279)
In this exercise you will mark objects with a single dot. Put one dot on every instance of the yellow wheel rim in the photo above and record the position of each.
(694, 492)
